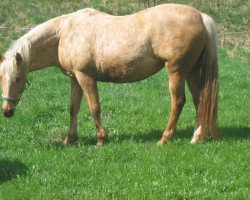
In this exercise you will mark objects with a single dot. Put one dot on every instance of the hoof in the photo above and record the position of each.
(70, 140)
(100, 143)
(160, 143)
(198, 136)
(194, 141)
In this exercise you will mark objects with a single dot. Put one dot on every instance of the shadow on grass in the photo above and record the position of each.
(234, 133)
(152, 135)
(225, 133)
(11, 169)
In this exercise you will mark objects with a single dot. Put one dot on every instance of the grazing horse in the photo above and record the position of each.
(90, 46)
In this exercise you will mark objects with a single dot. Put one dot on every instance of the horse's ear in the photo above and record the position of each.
(1, 58)
(18, 58)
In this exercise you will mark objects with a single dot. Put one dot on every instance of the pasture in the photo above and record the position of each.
(34, 163)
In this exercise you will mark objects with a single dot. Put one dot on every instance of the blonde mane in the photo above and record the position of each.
(23, 44)
(23, 47)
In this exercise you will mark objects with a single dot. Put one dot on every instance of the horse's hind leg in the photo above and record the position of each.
(75, 101)
(89, 88)
(194, 84)
(177, 92)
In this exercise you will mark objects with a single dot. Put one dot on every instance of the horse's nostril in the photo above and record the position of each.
(9, 113)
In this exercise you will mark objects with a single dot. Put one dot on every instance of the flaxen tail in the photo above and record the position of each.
(209, 76)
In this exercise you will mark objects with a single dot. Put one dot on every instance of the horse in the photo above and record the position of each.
(90, 46)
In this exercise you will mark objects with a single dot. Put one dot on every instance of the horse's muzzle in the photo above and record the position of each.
(9, 113)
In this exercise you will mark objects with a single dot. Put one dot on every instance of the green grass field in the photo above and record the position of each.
(34, 164)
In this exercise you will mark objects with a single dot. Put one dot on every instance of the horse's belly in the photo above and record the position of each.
(129, 72)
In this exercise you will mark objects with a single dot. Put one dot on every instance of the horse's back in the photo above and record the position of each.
(133, 47)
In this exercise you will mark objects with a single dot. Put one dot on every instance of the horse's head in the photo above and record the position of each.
(13, 81)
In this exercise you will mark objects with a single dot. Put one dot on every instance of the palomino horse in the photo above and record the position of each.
(90, 46)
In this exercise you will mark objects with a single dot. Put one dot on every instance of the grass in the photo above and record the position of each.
(35, 165)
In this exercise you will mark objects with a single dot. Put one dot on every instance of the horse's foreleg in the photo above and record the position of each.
(177, 92)
(75, 101)
(89, 88)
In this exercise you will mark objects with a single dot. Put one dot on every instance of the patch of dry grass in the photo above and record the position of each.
(16, 17)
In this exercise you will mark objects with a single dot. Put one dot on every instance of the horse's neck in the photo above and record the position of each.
(44, 41)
